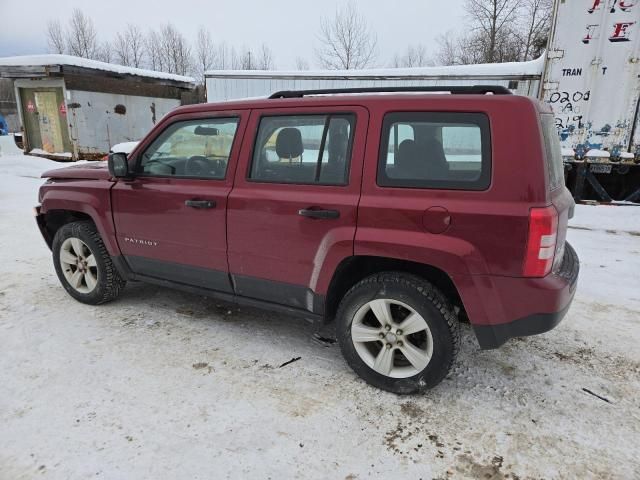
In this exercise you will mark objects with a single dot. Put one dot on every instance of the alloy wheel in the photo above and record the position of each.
(78, 265)
(392, 338)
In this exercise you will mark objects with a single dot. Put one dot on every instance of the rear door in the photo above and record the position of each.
(170, 218)
(292, 211)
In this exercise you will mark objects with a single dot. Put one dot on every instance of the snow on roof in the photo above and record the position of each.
(57, 59)
(516, 69)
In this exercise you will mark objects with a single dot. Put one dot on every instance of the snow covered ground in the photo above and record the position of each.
(164, 385)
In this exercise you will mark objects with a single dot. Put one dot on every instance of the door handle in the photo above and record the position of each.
(319, 213)
(200, 203)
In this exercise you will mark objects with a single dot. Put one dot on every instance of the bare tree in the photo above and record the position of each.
(129, 47)
(413, 56)
(165, 49)
(169, 51)
(177, 50)
(121, 50)
(447, 53)
(302, 64)
(223, 57)
(509, 47)
(537, 17)
(493, 21)
(136, 44)
(499, 31)
(241, 59)
(81, 37)
(56, 37)
(103, 52)
(346, 42)
(265, 58)
(247, 59)
(205, 52)
(471, 49)
(154, 55)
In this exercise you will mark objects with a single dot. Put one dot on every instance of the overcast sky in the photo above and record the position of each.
(288, 27)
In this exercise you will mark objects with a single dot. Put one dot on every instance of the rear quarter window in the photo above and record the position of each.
(435, 150)
(553, 152)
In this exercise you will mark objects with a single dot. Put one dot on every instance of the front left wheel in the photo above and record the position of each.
(83, 264)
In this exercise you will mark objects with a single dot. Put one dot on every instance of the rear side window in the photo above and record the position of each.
(303, 149)
(553, 156)
(435, 150)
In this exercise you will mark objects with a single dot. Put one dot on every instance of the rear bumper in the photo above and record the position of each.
(493, 336)
(547, 299)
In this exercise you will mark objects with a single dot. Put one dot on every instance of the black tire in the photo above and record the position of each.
(427, 301)
(109, 282)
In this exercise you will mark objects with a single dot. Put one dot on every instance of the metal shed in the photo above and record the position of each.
(521, 77)
(75, 108)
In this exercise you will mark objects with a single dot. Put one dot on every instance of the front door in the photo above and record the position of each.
(292, 211)
(170, 218)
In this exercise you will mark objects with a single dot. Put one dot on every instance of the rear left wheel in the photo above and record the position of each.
(398, 332)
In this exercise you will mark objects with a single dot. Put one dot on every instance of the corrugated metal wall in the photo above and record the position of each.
(96, 125)
(232, 87)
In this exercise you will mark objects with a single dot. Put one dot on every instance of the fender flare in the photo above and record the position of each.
(94, 204)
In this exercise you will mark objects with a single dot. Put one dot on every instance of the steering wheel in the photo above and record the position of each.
(197, 166)
(219, 167)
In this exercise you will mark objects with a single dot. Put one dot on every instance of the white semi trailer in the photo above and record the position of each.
(589, 75)
(591, 79)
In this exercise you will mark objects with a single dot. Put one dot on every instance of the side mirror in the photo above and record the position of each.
(118, 165)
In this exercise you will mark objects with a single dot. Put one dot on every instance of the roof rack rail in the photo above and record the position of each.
(454, 89)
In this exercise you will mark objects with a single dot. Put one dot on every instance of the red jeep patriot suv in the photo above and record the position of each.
(392, 214)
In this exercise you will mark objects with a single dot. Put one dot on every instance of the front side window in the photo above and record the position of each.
(193, 149)
(435, 150)
(303, 149)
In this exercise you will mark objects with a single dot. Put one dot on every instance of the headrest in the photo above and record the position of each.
(407, 151)
(435, 150)
(289, 143)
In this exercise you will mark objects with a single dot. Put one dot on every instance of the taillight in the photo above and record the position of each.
(541, 242)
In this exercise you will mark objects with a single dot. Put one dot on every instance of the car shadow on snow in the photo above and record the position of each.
(520, 364)
(173, 305)
(558, 364)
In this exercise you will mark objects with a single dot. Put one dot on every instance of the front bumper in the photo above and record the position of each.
(565, 282)
(40, 220)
